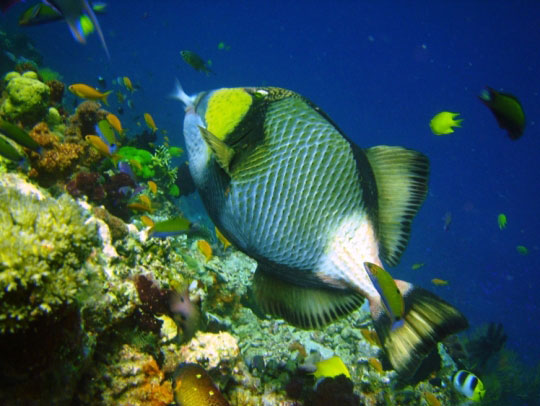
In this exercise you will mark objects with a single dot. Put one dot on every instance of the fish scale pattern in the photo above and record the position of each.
(289, 195)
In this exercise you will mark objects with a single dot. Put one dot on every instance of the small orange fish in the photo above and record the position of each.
(376, 364)
(87, 92)
(115, 123)
(139, 207)
(371, 336)
(222, 239)
(150, 122)
(127, 83)
(146, 201)
(439, 282)
(431, 399)
(152, 186)
(98, 144)
(147, 221)
(205, 249)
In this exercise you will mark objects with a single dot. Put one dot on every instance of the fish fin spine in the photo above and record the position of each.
(427, 320)
(222, 152)
(305, 307)
(401, 176)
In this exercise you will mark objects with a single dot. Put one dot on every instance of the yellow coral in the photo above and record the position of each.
(44, 243)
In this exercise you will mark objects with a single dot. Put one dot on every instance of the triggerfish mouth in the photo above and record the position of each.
(318, 213)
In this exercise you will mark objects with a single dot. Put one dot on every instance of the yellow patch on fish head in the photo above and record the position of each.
(226, 108)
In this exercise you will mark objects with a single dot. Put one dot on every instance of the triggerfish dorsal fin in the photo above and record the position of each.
(401, 176)
(304, 306)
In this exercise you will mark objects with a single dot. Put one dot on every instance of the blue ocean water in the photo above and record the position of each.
(381, 70)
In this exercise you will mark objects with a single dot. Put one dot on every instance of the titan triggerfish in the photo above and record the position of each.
(318, 213)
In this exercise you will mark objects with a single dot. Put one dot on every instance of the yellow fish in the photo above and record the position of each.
(146, 201)
(88, 92)
(147, 221)
(330, 368)
(386, 286)
(115, 123)
(431, 399)
(98, 144)
(418, 265)
(150, 122)
(444, 122)
(376, 364)
(222, 239)
(439, 282)
(152, 186)
(127, 83)
(205, 249)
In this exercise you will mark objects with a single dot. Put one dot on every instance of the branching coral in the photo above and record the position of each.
(44, 243)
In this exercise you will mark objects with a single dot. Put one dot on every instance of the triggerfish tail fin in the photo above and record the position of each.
(427, 319)
(179, 94)
(308, 307)
(401, 176)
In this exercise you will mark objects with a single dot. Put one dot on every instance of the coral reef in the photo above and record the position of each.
(128, 377)
(44, 243)
(57, 159)
(27, 99)
(56, 90)
(83, 122)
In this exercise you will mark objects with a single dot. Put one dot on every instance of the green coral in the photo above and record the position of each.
(27, 99)
(47, 74)
(158, 166)
(44, 243)
(143, 159)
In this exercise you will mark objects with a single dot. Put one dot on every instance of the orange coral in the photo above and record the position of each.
(57, 160)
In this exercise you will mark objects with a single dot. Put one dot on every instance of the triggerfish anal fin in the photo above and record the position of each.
(507, 111)
(73, 12)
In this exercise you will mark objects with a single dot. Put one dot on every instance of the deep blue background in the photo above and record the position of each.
(381, 70)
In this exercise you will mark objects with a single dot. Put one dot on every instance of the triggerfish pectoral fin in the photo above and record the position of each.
(427, 319)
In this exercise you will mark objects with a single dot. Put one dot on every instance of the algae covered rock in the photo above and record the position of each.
(27, 99)
(44, 244)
